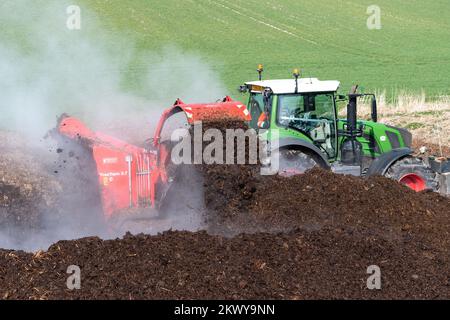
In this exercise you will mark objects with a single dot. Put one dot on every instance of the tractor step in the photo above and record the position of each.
(345, 169)
(444, 183)
(441, 166)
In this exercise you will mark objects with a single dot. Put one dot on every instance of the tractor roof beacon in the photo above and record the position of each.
(303, 113)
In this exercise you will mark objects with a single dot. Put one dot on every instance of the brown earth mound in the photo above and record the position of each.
(376, 206)
(26, 187)
(44, 193)
(309, 236)
(328, 263)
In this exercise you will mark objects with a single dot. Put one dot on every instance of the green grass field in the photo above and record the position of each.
(160, 50)
(327, 39)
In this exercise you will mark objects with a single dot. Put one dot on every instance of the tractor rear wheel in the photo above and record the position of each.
(413, 173)
(294, 161)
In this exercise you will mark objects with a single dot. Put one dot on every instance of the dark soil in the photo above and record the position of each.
(27, 189)
(305, 237)
(328, 263)
(45, 188)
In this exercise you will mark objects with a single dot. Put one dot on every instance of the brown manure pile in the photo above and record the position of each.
(269, 237)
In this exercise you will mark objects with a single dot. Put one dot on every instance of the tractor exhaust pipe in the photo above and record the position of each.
(351, 149)
(351, 110)
(351, 113)
(374, 112)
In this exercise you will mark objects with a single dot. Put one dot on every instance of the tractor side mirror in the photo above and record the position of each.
(243, 89)
(341, 97)
(374, 111)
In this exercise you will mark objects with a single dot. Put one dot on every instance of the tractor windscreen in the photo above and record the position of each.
(313, 114)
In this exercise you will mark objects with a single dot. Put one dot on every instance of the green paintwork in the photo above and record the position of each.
(372, 130)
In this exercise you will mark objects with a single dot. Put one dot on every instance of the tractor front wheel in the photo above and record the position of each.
(413, 173)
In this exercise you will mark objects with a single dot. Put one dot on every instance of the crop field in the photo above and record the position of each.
(201, 50)
(327, 39)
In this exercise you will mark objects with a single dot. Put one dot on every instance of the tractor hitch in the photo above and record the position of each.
(441, 166)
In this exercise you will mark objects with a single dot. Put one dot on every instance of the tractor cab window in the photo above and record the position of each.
(313, 115)
(256, 107)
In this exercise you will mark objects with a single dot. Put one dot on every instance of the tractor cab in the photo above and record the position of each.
(303, 108)
(300, 115)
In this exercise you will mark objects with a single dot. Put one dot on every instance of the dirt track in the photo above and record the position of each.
(310, 236)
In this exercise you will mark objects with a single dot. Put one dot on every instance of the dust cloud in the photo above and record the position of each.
(46, 70)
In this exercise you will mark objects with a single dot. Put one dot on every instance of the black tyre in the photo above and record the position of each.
(414, 173)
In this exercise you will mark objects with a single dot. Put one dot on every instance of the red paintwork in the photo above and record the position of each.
(414, 181)
(200, 112)
(110, 156)
(147, 166)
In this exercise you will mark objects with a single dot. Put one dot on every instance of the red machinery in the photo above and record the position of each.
(130, 176)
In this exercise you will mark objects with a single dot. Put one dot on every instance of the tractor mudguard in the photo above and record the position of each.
(381, 164)
(286, 143)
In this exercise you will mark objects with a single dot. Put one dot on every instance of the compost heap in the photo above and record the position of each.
(47, 193)
(27, 190)
(269, 237)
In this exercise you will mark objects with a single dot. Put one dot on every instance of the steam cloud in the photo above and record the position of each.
(47, 69)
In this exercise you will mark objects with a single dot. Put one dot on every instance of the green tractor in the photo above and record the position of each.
(299, 118)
